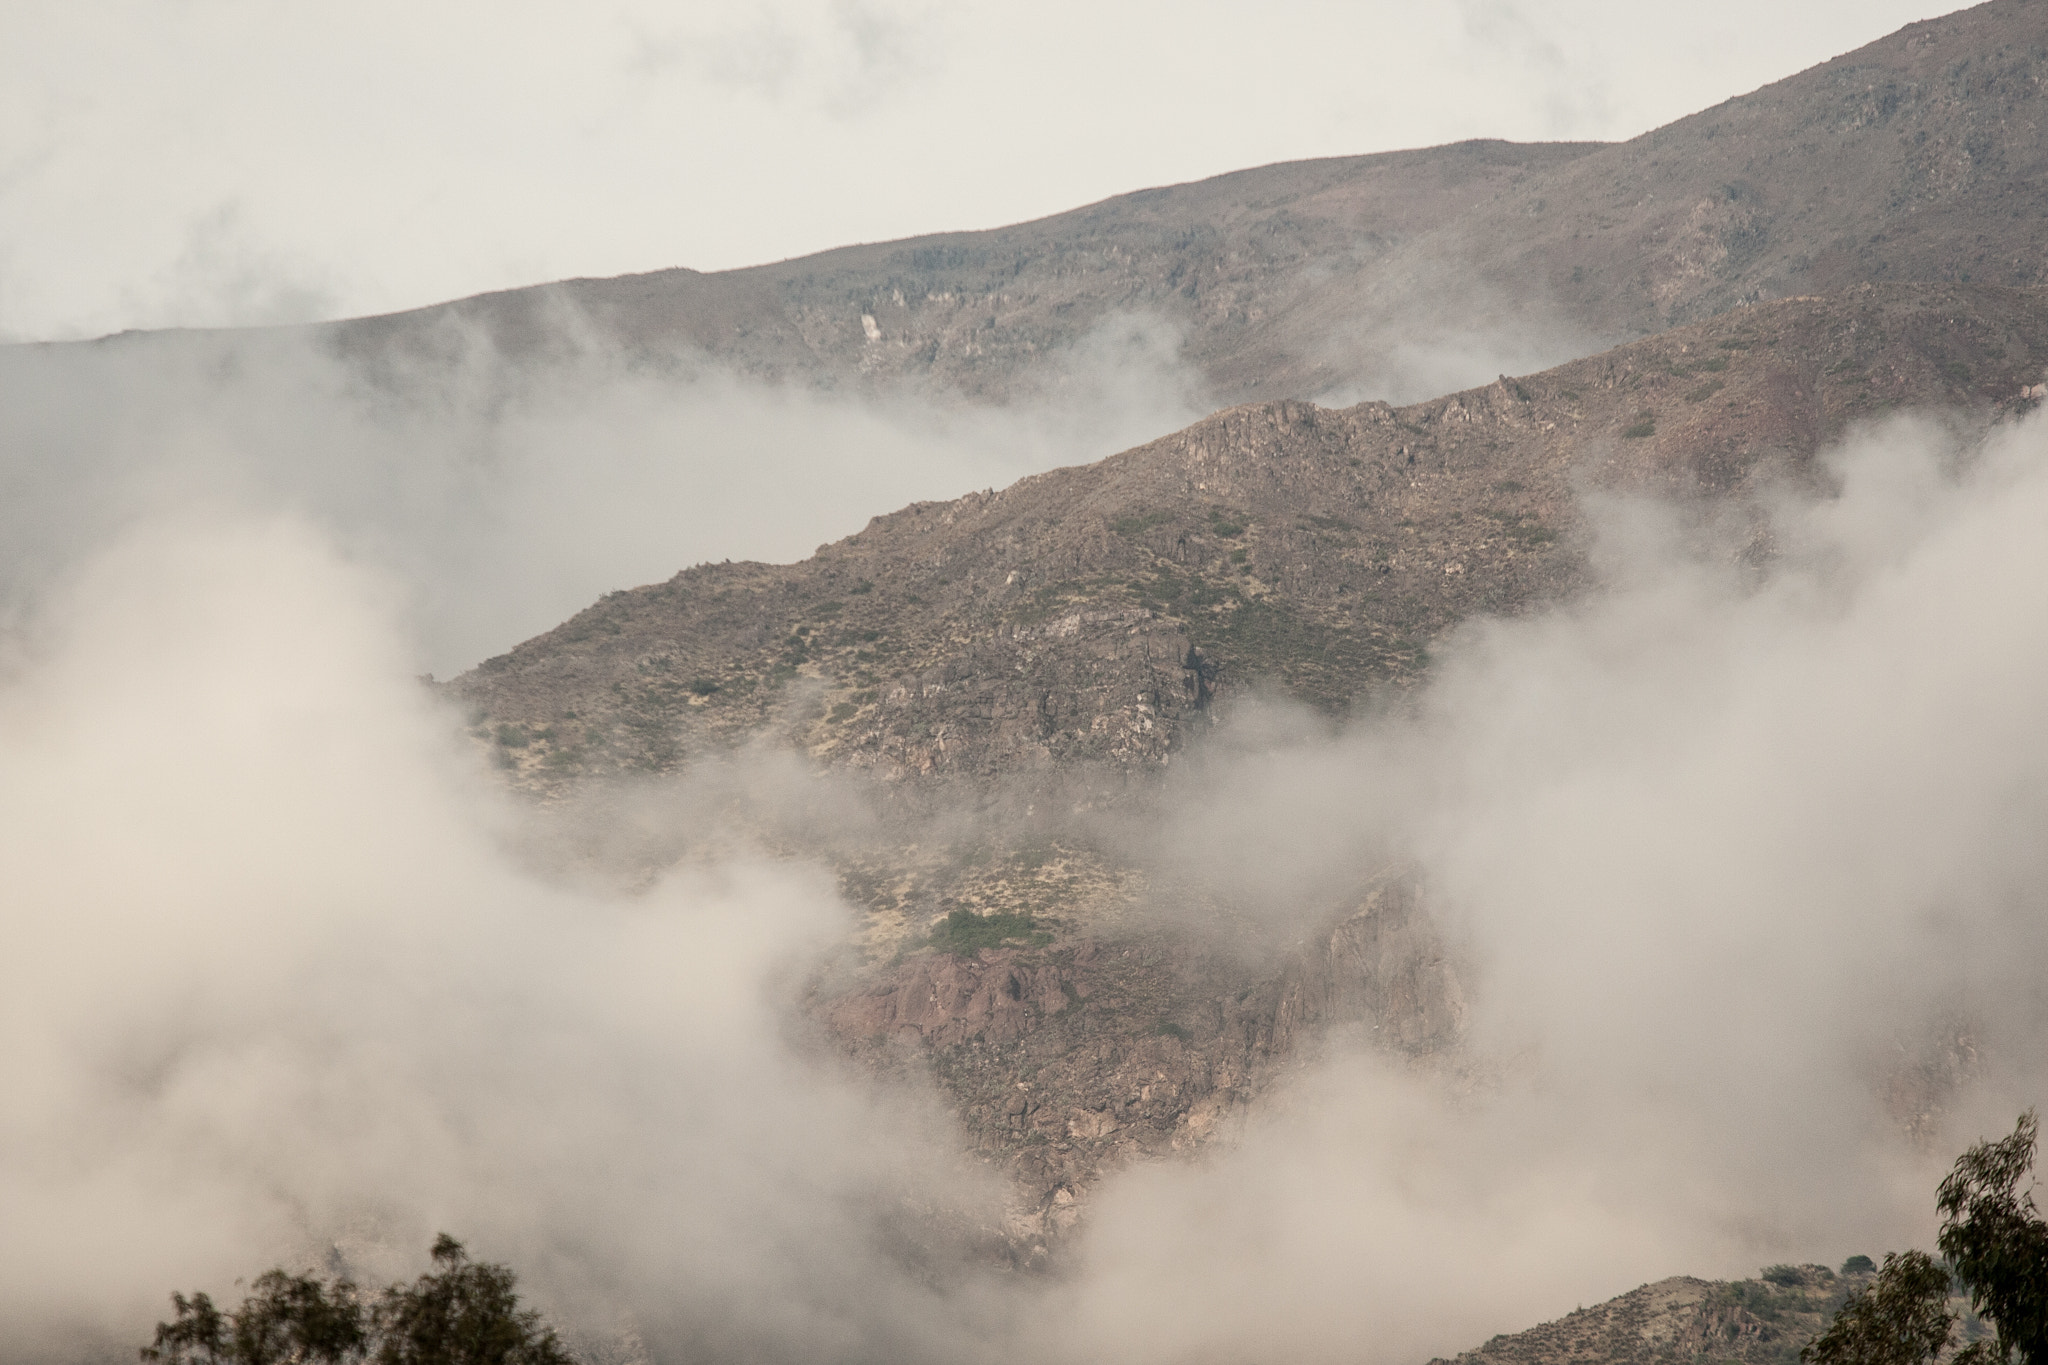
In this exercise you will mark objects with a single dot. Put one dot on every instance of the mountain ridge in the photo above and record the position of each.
(1400, 274)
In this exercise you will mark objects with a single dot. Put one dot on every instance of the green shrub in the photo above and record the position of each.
(704, 687)
(964, 933)
(1645, 425)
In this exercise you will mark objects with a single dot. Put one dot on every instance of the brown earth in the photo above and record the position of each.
(1918, 157)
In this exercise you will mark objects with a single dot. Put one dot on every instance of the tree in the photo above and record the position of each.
(284, 1318)
(1901, 1317)
(463, 1313)
(467, 1314)
(1996, 1245)
(1994, 1236)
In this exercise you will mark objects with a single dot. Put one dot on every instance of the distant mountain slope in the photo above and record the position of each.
(993, 315)
(1918, 157)
(1087, 616)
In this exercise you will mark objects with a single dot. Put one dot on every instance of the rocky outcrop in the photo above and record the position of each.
(1068, 1060)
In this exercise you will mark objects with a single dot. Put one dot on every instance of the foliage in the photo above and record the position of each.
(1901, 1317)
(1996, 1245)
(1645, 425)
(964, 933)
(1859, 1265)
(284, 1318)
(1995, 1238)
(463, 1313)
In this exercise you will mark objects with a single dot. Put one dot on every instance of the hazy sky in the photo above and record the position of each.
(199, 162)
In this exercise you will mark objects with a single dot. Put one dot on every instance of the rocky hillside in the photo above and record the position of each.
(986, 672)
(1088, 617)
(1762, 1321)
(1918, 157)
(985, 677)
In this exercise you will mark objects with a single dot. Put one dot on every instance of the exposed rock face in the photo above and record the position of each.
(1070, 1060)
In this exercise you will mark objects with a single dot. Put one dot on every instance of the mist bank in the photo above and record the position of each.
(1740, 868)
(501, 490)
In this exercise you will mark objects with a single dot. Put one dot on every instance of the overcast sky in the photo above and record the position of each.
(199, 162)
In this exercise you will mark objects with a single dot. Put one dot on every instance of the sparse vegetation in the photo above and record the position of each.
(1644, 425)
(964, 933)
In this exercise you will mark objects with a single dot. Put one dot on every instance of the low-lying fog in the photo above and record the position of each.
(1722, 860)
(503, 495)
